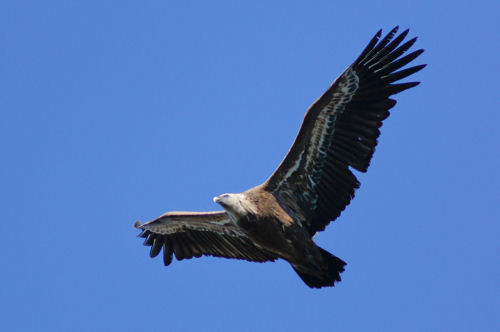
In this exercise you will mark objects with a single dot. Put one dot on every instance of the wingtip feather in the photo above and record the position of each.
(393, 31)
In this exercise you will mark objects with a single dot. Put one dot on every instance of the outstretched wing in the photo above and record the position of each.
(339, 131)
(193, 234)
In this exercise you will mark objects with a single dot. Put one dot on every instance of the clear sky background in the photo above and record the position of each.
(117, 111)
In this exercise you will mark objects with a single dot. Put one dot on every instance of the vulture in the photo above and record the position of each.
(312, 185)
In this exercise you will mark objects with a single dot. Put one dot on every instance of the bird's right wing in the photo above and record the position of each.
(193, 234)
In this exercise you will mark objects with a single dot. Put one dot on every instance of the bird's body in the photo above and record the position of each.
(312, 185)
(259, 214)
(266, 223)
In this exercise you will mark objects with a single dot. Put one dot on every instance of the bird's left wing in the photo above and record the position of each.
(193, 234)
(314, 182)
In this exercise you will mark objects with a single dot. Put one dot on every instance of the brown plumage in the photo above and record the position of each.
(312, 185)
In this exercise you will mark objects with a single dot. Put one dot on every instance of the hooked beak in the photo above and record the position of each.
(221, 199)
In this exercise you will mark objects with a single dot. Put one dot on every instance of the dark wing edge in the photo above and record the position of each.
(340, 130)
(193, 234)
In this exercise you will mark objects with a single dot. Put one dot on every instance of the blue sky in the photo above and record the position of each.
(113, 112)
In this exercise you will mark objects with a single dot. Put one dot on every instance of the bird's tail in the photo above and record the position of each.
(327, 275)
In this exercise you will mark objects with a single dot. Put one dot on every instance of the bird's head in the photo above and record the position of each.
(235, 204)
(226, 200)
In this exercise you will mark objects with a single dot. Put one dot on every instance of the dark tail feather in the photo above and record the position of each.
(329, 274)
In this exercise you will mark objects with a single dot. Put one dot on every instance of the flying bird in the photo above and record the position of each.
(312, 185)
